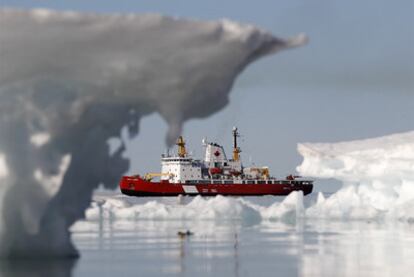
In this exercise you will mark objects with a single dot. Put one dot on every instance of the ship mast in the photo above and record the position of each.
(236, 149)
(181, 147)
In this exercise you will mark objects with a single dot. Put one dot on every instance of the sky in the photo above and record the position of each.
(354, 80)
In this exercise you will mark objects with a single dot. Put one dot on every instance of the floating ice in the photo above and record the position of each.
(217, 209)
(289, 209)
(378, 177)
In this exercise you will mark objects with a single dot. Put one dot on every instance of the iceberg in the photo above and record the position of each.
(377, 176)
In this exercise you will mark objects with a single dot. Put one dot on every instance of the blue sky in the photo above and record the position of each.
(354, 80)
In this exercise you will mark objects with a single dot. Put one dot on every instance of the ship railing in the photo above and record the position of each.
(249, 182)
(245, 182)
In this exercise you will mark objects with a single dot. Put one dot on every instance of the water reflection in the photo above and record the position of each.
(230, 248)
(358, 248)
(151, 248)
(303, 248)
(236, 255)
(183, 241)
(37, 268)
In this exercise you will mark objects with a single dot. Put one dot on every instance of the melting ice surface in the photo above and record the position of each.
(378, 177)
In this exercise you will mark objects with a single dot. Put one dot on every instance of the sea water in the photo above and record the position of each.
(234, 237)
(227, 236)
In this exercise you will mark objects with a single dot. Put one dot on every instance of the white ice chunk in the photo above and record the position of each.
(378, 177)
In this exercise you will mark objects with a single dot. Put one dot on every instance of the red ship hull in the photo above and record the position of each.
(136, 186)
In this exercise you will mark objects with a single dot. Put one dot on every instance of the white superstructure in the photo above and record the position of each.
(215, 165)
(180, 169)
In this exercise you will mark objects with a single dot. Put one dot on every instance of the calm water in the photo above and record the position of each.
(149, 248)
(225, 247)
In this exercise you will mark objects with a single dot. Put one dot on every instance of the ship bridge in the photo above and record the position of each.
(181, 167)
(215, 165)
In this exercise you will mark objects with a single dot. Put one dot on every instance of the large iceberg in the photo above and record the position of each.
(377, 176)
(71, 81)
